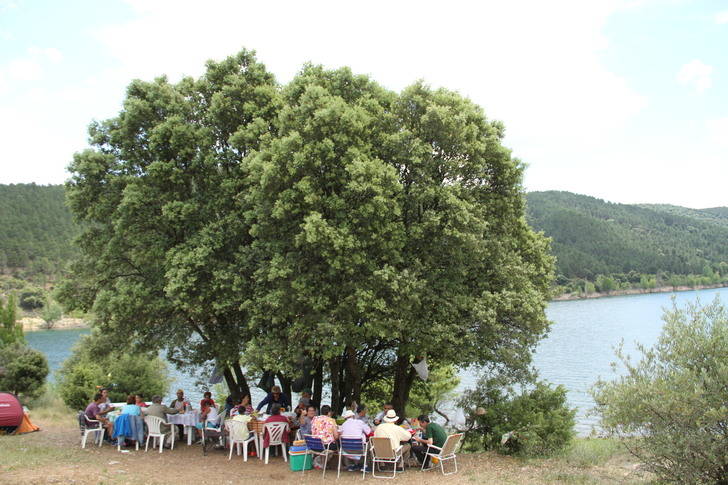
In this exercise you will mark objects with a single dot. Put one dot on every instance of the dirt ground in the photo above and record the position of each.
(54, 455)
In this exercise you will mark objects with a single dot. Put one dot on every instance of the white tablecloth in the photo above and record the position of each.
(190, 418)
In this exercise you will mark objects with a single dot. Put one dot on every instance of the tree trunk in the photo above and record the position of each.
(318, 383)
(334, 369)
(285, 386)
(404, 375)
(242, 381)
(353, 376)
(232, 385)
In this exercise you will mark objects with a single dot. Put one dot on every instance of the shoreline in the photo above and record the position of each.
(35, 324)
(636, 291)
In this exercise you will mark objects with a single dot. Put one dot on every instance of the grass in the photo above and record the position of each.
(590, 452)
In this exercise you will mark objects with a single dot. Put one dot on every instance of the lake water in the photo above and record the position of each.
(578, 350)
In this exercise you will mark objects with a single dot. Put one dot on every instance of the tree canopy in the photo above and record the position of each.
(326, 230)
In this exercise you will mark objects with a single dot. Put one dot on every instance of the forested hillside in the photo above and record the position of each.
(630, 243)
(599, 245)
(37, 228)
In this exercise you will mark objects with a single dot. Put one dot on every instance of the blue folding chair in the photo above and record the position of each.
(355, 448)
(316, 447)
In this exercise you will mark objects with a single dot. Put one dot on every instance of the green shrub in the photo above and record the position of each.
(22, 370)
(672, 404)
(32, 299)
(533, 422)
(93, 365)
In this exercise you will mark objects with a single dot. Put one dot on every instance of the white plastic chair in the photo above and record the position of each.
(240, 434)
(154, 427)
(91, 426)
(447, 452)
(275, 438)
(382, 452)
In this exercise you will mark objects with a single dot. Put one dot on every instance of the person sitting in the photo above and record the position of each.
(305, 420)
(434, 435)
(305, 399)
(380, 417)
(181, 403)
(131, 406)
(140, 401)
(396, 434)
(354, 428)
(206, 402)
(361, 414)
(324, 427)
(106, 400)
(93, 411)
(161, 411)
(243, 407)
(275, 417)
(275, 396)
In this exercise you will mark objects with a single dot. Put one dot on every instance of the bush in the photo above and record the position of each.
(533, 422)
(96, 363)
(32, 299)
(22, 370)
(672, 403)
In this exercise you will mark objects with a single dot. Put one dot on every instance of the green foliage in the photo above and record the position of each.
(52, 312)
(534, 421)
(98, 362)
(10, 330)
(22, 370)
(32, 299)
(591, 237)
(37, 228)
(672, 403)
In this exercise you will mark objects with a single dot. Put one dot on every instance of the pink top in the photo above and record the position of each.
(324, 427)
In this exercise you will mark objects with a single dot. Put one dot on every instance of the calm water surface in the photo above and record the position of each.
(578, 350)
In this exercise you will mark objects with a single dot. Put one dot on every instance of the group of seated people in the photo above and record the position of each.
(306, 419)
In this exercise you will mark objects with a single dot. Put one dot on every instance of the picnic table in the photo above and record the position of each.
(188, 419)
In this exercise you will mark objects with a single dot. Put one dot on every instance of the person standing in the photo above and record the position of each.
(434, 435)
(275, 396)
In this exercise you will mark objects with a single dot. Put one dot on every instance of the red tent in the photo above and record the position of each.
(11, 413)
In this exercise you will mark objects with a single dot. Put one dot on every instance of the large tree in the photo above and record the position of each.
(156, 196)
(392, 228)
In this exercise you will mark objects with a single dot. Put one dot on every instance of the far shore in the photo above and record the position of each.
(33, 324)
(635, 291)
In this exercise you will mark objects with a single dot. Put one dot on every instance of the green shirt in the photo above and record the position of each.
(437, 433)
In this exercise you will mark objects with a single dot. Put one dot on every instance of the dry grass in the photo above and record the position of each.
(54, 455)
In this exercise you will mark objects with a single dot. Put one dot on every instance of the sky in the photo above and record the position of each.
(624, 100)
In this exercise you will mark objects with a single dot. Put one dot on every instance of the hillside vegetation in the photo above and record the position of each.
(619, 246)
(600, 246)
(37, 229)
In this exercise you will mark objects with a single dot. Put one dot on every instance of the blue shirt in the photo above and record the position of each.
(132, 409)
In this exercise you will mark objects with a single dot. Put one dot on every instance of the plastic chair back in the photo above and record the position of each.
(275, 432)
(154, 424)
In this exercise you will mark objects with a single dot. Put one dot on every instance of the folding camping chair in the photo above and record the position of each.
(316, 447)
(447, 452)
(353, 447)
(382, 452)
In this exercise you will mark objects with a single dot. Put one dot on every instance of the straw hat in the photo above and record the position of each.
(391, 416)
(348, 414)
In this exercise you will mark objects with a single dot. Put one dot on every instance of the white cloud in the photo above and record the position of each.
(48, 54)
(722, 17)
(696, 74)
(26, 69)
